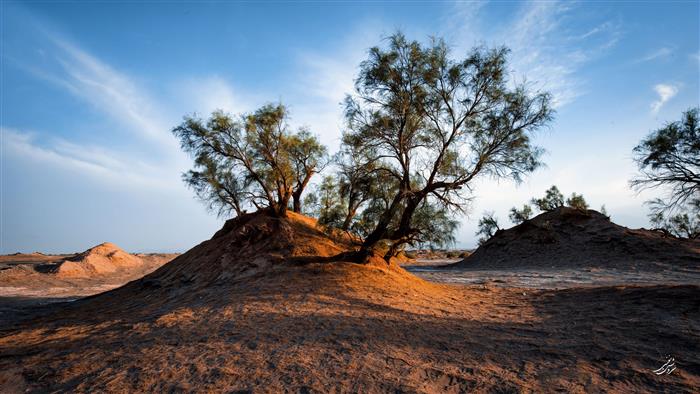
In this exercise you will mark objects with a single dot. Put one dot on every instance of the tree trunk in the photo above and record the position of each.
(380, 231)
(296, 194)
(296, 203)
(348, 219)
(283, 204)
(406, 216)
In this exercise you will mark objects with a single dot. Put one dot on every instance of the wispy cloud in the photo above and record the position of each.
(660, 53)
(99, 164)
(695, 56)
(545, 49)
(324, 78)
(110, 91)
(206, 94)
(119, 98)
(665, 93)
(600, 29)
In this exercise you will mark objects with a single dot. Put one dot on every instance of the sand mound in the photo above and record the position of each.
(249, 249)
(103, 259)
(264, 306)
(571, 238)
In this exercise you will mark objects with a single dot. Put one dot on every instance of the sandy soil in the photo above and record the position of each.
(253, 311)
(568, 238)
(329, 329)
(554, 278)
(30, 281)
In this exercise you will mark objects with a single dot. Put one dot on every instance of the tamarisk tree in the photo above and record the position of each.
(433, 124)
(252, 160)
(669, 158)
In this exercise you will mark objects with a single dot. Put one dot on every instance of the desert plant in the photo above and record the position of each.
(518, 216)
(488, 225)
(669, 158)
(577, 201)
(684, 225)
(434, 124)
(252, 160)
(552, 200)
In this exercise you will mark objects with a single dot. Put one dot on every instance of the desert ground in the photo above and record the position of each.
(267, 305)
(30, 281)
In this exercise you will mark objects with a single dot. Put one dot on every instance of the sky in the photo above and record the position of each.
(89, 93)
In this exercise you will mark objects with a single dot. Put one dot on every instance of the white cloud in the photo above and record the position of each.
(602, 28)
(544, 48)
(665, 92)
(97, 163)
(325, 78)
(158, 161)
(696, 57)
(657, 54)
(206, 94)
(108, 90)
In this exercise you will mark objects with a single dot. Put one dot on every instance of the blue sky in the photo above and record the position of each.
(90, 92)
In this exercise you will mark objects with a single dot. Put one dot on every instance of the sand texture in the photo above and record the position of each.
(261, 308)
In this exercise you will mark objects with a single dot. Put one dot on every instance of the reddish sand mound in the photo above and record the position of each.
(103, 259)
(571, 238)
(261, 307)
(247, 248)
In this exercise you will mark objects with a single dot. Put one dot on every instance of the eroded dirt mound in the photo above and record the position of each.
(51, 278)
(103, 259)
(571, 238)
(248, 248)
(261, 308)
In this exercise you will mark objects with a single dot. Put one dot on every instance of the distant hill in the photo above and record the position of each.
(103, 259)
(571, 238)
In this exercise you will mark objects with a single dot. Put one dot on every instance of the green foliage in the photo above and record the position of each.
(436, 227)
(518, 216)
(670, 158)
(432, 124)
(217, 186)
(488, 225)
(249, 161)
(308, 157)
(577, 201)
(358, 183)
(684, 225)
(310, 204)
(330, 212)
(552, 200)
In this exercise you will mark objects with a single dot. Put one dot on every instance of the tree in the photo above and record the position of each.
(217, 186)
(434, 124)
(488, 225)
(685, 225)
(253, 160)
(330, 212)
(309, 157)
(437, 227)
(577, 201)
(358, 182)
(552, 200)
(670, 158)
(518, 216)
